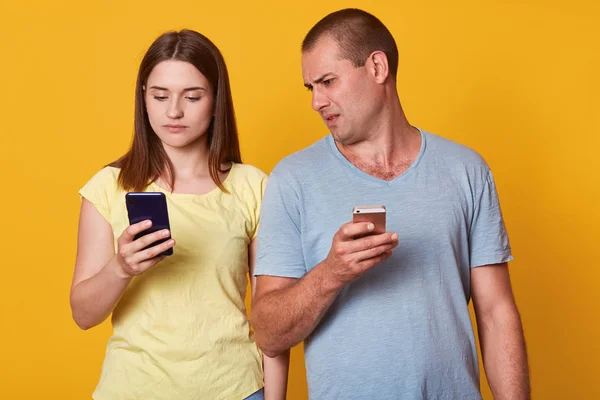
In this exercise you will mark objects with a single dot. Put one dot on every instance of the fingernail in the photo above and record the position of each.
(370, 227)
(165, 233)
(171, 242)
(395, 236)
(148, 223)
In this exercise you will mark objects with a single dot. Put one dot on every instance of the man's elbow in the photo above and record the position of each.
(269, 347)
(270, 350)
(500, 317)
(271, 354)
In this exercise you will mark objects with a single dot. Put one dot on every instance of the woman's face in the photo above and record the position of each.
(180, 103)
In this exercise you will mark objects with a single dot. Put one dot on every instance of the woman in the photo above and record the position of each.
(180, 325)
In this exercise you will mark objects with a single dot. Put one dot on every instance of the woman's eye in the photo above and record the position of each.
(160, 98)
(193, 98)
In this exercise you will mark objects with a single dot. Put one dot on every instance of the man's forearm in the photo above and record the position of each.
(283, 318)
(505, 356)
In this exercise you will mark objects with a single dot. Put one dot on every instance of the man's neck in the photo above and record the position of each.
(389, 149)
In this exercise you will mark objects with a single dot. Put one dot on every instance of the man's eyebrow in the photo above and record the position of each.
(318, 80)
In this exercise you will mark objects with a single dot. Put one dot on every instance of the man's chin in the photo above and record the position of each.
(342, 138)
(338, 136)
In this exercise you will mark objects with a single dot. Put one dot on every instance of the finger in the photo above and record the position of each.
(366, 265)
(150, 238)
(150, 263)
(374, 252)
(132, 230)
(152, 252)
(352, 229)
(372, 241)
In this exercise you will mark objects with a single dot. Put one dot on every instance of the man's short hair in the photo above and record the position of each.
(358, 34)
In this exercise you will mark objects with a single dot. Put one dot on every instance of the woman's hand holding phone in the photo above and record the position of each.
(133, 256)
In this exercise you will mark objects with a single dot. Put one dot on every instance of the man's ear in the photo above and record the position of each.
(377, 65)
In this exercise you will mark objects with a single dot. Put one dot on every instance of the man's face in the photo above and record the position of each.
(345, 96)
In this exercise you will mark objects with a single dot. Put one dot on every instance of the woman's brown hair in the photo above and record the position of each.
(146, 160)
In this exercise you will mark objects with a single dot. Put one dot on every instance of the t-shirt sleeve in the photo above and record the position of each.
(100, 190)
(489, 243)
(279, 250)
(259, 190)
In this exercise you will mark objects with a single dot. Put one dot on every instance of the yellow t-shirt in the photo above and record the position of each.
(180, 329)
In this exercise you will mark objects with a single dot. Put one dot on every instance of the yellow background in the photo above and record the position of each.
(516, 80)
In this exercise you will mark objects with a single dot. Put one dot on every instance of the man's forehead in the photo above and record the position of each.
(322, 57)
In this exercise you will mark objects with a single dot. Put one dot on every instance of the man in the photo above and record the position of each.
(383, 316)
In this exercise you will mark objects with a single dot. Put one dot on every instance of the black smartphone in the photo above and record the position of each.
(153, 206)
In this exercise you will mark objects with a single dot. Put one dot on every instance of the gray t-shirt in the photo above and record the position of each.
(402, 330)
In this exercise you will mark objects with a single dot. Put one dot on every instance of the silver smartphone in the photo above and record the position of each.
(374, 214)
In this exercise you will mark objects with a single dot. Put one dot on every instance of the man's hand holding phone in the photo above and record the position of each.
(134, 256)
(356, 249)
